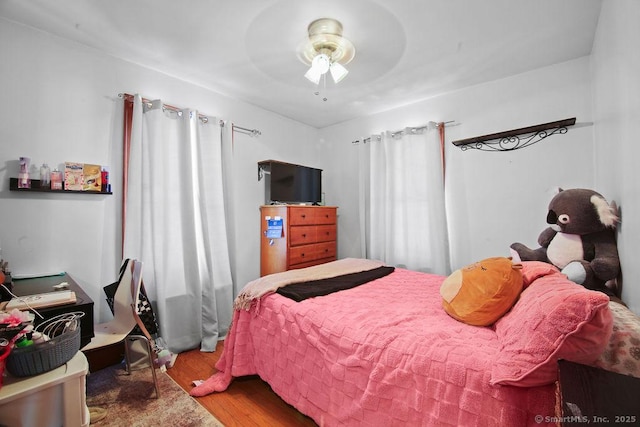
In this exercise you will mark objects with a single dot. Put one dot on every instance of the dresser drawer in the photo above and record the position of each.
(303, 235)
(325, 233)
(302, 216)
(308, 234)
(311, 263)
(307, 253)
(326, 250)
(325, 216)
(311, 215)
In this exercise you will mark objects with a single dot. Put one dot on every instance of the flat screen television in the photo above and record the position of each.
(291, 183)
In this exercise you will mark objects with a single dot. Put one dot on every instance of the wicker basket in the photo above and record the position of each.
(43, 357)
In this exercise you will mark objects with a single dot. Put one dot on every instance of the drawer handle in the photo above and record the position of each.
(304, 235)
(303, 216)
(302, 255)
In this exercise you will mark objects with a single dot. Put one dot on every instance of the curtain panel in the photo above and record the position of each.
(175, 222)
(402, 200)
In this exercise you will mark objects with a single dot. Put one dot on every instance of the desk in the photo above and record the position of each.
(54, 398)
(39, 285)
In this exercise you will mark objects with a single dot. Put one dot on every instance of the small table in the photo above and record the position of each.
(597, 397)
(40, 285)
(54, 398)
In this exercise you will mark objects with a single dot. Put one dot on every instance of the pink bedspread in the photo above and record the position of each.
(381, 354)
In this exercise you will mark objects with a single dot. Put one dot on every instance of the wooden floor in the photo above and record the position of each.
(248, 401)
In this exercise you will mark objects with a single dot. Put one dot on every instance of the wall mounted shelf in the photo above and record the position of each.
(516, 138)
(35, 187)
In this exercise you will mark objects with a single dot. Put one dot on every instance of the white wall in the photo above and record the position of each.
(494, 199)
(60, 104)
(616, 101)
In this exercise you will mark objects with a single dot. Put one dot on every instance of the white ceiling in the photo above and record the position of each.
(406, 50)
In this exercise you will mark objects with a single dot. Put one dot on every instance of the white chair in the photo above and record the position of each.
(125, 319)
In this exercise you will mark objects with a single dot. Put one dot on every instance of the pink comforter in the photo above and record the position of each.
(381, 354)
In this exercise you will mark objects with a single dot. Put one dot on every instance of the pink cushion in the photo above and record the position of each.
(553, 319)
(532, 270)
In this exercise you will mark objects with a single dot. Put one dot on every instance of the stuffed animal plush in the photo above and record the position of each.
(580, 241)
(481, 293)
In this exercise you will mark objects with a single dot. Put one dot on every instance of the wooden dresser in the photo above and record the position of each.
(308, 237)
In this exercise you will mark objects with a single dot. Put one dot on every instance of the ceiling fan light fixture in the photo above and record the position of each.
(326, 50)
(319, 66)
(313, 75)
(321, 63)
(338, 72)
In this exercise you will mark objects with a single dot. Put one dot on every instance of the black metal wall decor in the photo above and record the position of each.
(516, 138)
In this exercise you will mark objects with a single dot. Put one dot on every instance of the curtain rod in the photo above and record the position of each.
(148, 101)
(250, 132)
(204, 118)
(413, 129)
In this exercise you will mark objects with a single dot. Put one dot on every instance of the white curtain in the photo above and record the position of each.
(175, 223)
(402, 205)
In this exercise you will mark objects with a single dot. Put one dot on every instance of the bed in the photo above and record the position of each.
(386, 353)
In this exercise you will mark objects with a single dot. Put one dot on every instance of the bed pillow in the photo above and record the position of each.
(553, 319)
(532, 270)
(480, 293)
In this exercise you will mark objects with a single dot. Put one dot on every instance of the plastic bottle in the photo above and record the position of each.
(56, 180)
(45, 176)
(105, 179)
(24, 180)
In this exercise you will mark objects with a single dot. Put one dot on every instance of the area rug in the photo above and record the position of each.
(130, 400)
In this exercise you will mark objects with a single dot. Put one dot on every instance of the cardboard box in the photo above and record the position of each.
(92, 178)
(73, 176)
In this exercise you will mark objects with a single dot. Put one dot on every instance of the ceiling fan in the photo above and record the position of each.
(326, 50)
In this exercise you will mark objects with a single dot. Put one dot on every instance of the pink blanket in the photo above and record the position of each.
(381, 354)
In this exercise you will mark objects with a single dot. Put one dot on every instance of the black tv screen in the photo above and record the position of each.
(290, 183)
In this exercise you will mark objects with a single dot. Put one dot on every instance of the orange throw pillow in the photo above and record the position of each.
(481, 293)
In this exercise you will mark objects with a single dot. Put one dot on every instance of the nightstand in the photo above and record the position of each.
(38, 285)
(597, 397)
